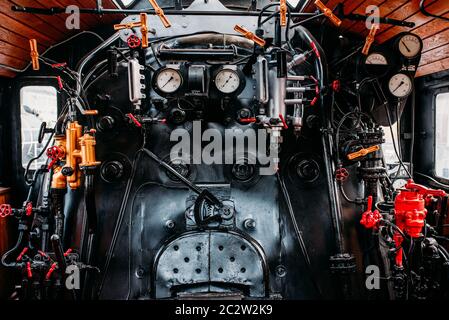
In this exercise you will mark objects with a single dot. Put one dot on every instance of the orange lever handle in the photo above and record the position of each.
(34, 54)
(370, 39)
(363, 152)
(126, 26)
(144, 29)
(160, 13)
(283, 12)
(328, 13)
(249, 35)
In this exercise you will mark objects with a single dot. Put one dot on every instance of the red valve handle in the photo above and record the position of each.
(341, 174)
(5, 210)
(54, 153)
(423, 190)
(370, 219)
(134, 42)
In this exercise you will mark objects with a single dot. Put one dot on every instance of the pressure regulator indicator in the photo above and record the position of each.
(400, 85)
(376, 64)
(410, 45)
(168, 80)
(227, 81)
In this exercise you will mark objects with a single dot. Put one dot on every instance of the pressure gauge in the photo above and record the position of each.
(227, 80)
(168, 80)
(410, 45)
(400, 85)
(376, 64)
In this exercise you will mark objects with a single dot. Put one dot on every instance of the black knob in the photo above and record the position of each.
(67, 171)
(112, 171)
(106, 123)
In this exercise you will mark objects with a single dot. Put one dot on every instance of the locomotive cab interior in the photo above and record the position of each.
(224, 149)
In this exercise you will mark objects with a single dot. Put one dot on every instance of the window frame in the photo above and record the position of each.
(436, 93)
(16, 120)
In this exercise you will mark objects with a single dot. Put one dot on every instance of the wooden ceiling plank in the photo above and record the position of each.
(433, 67)
(434, 55)
(386, 8)
(14, 51)
(436, 40)
(87, 20)
(55, 23)
(6, 73)
(347, 25)
(30, 21)
(17, 39)
(12, 62)
(28, 32)
(439, 7)
(432, 28)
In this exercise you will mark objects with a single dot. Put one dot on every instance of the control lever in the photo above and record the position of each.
(199, 191)
(43, 131)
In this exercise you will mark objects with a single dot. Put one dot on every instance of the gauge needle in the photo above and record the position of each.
(227, 81)
(406, 46)
(400, 85)
(169, 80)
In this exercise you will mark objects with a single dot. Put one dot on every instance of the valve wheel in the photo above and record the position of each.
(341, 174)
(5, 210)
(134, 42)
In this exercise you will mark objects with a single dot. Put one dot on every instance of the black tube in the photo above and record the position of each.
(59, 253)
(5, 256)
(57, 196)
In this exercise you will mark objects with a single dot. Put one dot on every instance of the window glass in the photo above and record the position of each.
(37, 104)
(442, 135)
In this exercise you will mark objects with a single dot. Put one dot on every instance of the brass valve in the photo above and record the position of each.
(363, 152)
(79, 153)
(160, 13)
(283, 12)
(34, 54)
(328, 13)
(249, 35)
(370, 39)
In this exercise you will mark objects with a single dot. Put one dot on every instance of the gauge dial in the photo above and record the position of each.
(227, 81)
(376, 64)
(169, 80)
(410, 45)
(400, 85)
(376, 59)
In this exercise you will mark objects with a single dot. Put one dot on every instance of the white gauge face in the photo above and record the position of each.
(227, 81)
(169, 80)
(410, 46)
(376, 59)
(400, 85)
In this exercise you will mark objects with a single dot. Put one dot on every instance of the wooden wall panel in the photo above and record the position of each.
(17, 28)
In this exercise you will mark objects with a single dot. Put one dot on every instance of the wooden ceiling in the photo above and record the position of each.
(17, 28)
(433, 31)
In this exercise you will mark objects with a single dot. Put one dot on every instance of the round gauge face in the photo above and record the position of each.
(376, 64)
(227, 81)
(376, 59)
(410, 46)
(169, 80)
(400, 85)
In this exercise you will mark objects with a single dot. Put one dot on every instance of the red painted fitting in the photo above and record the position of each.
(134, 119)
(68, 252)
(50, 271)
(29, 272)
(19, 258)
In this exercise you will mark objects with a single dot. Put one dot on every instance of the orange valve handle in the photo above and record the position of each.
(249, 35)
(126, 26)
(363, 152)
(370, 39)
(328, 13)
(160, 13)
(34, 54)
(283, 12)
(144, 29)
